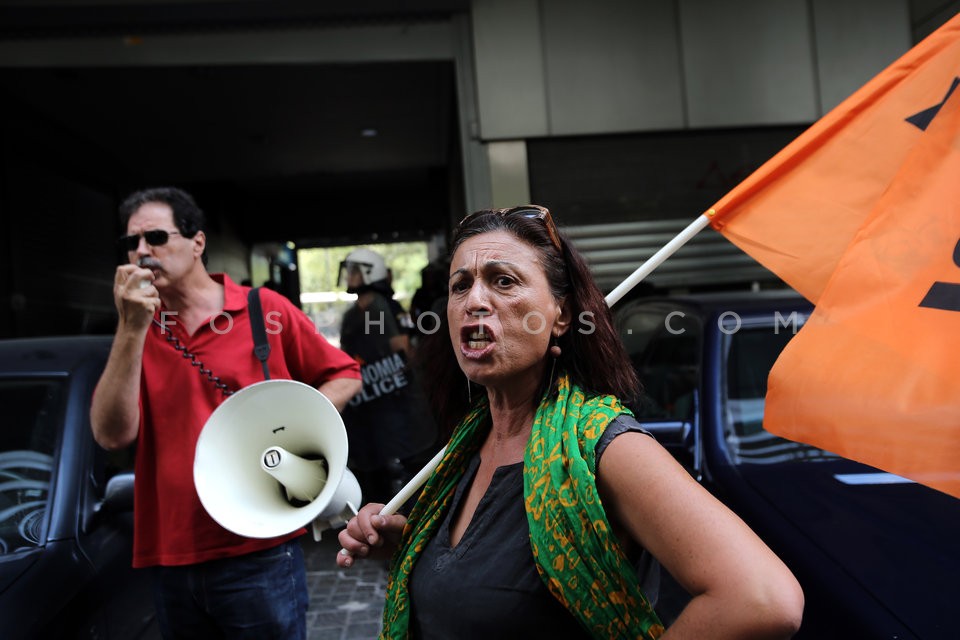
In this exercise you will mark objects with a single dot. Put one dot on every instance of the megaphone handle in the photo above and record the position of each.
(411, 487)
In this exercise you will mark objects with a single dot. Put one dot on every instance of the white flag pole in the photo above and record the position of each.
(657, 259)
(411, 487)
(612, 298)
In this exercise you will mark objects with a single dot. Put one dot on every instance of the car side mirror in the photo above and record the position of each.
(672, 434)
(118, 496)
(117, 499)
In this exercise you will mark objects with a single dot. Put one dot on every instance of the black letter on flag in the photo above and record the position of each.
(945, 295)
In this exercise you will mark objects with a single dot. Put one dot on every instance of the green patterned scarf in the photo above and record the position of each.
(573, 546)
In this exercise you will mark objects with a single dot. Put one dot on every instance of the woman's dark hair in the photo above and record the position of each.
(187, 216)
(591, 350)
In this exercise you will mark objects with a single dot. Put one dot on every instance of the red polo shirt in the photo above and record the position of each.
(172, 527)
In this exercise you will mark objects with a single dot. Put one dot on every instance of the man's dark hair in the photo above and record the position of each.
(187, 216)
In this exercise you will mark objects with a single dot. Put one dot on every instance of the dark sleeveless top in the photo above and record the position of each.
(488, 586)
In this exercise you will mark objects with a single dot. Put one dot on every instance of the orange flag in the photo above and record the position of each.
(797, 213)
(861, 214)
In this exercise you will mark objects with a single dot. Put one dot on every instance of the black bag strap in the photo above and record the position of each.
(261, 348)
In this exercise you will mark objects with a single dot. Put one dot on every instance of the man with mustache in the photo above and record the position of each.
(209, 582)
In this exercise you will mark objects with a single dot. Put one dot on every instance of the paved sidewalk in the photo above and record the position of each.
(345, 604)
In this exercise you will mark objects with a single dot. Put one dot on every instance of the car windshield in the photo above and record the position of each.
(32, 412)
(664, 347)
(751, 353)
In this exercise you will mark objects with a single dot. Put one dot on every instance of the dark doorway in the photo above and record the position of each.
(309, 154)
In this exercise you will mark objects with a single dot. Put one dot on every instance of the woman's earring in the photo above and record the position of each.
(469, 396)
(555, 350)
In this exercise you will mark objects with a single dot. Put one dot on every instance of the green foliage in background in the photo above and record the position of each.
(319, 268)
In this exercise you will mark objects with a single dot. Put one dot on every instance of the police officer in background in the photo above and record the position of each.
(387, 422)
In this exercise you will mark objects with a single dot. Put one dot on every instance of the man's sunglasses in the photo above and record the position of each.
(154, 238)
(532, 211)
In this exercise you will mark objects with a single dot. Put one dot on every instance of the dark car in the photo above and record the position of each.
(878, 556)
(65, 505)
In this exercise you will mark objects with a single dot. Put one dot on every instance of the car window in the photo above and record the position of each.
(664, 347)
(32, 413)
(751, 353)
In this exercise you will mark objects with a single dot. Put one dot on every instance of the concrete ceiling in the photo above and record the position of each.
(298, 141)
(192, 124)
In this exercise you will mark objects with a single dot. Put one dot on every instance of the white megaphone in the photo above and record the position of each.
(273, 458)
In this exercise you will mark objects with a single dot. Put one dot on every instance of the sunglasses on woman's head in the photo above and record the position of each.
(154, 238)
(532, 211)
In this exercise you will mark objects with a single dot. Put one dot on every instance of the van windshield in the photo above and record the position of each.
(750, 354)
